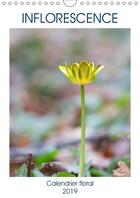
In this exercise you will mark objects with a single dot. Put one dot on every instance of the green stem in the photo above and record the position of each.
(83, 126)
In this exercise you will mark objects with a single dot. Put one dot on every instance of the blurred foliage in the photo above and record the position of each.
(22, 171)
(37, 173)
(64, 174)
(96, 172)
(89, 170)
(46, 157)
(86, 169)
(28, 55)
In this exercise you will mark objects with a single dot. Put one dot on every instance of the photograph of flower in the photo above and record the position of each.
(70, 103)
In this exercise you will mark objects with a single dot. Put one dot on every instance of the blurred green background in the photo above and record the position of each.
(45, 107)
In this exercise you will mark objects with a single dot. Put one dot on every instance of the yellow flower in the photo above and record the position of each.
(81, 73)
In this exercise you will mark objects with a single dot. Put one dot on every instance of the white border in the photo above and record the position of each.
(35, 187)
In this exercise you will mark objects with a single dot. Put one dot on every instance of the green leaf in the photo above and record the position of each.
(37, 173)
(95, 172)
(64, 174)
(22, 171)
(46, 157)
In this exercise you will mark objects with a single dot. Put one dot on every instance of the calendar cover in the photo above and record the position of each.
(69, 99)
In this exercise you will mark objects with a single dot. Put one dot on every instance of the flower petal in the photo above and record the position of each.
(83, 69)
(64, 70)
(69, 68)
(98, 68)
(91, 66)
(74, 69)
